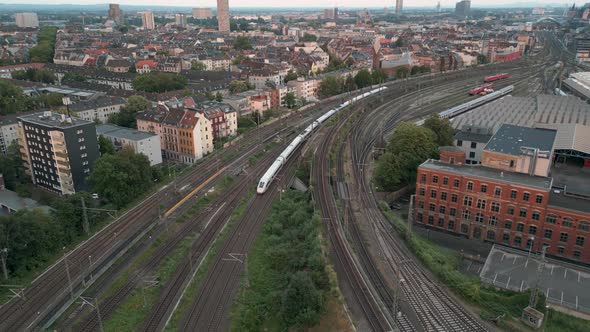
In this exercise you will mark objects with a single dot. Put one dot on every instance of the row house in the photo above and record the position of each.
(98, 109)
(185, 135)
(71, 58)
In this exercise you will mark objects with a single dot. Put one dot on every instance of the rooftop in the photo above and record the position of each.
(101, 101)
(472, 137)
(483, 172)
(51, 119)
(559, 198)
(122, 132)
(509, 139)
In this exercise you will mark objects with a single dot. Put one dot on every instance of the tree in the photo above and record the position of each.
(291, 75)
(11, 167)
(301, 301)
(126, 116)
(290, 100)
(308, 37)
(442, 129)
(238, 86)
(105, 146)
(238, 59)
(159, 82)
(331, 86)
(198, 66)
(120, 178)
(12, 99)
(218, 97)
(481, 59)
(73, 77)
(49, 100)
(399, 42)
(363, 79)
(36, 75)
(43, 51)
(124, 29)
(379, 76)
(242, 43)
(244, 26)
(409, 146)
(402, 72)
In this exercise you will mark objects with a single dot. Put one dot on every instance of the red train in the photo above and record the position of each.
(482, 90)
(495, 77)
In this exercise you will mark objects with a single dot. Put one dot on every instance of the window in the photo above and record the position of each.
(481, 204)
(548, 234)
(560, 250)
(459, 142)
(422, 178)
(522, 212)
(513, 194)
(452, 212)
(466, 215)
(484, 188)
(525, 197)
(464, 228)
(580, 240)
(454, 198)
(443, 196)
(529, 243)
(506, 238)
(419, 217)
(456, 183)
(491, 235)
(433, 193)
(451, 225)
(563, 237)
(421, 192)
(441, 222)
(473, 145)
(508, 224)
(467, 201)
(551, 218)
(520, 227)
(430, 220)
(539, 199)
(567, 222)
(442, 209)
(510, 210)
(511, 163)
(479, 217)
(493, 221)
(495, 207)
(536, 215)
(532, 230)
(420, 204)
(498, 191)
(584, 226)
(517, 241)
(445, 181)
(432, 207)
(577, 254)
(435, 179)
(471, 155)
(469, 185)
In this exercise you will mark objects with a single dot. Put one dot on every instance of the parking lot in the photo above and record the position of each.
(563, 284)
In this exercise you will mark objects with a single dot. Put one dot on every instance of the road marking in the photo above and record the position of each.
(521, 284)
(508, 282)
(565, 274)
(561, 297)
(547, 293)
(578, 276)
(494, 282)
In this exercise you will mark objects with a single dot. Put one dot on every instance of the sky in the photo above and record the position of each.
(292, 3)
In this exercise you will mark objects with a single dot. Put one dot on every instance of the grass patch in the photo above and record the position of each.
(287, 282)
(493, 302)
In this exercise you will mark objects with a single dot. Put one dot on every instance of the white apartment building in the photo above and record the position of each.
(99, 109)
(145, 143)
(147, 21)
(26, 20)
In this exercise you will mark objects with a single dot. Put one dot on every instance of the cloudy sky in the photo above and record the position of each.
(292, 3)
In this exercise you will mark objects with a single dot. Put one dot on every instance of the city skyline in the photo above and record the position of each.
(299, 3)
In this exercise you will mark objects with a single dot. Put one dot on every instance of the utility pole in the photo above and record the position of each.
(535, 292)
(94, 304)
(68, 274)
(4, 257)
(85, 224)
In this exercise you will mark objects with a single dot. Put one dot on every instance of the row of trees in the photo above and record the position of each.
(409, 146)
(287, 275)
(43, 51)
(127, 115)
(238, 86)
(333, 85)
(13, 100)
(36, 75)
(159, 82)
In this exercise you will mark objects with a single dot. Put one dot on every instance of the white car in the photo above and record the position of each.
(95, 196)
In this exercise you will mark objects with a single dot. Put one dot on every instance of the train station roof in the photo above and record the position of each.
(570, 116)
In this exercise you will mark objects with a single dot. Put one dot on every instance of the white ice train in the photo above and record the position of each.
(452, 112)
(276, 166)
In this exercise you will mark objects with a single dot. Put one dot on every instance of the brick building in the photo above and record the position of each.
(518, 204)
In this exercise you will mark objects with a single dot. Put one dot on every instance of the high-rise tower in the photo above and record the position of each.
(223, 15)
(399, 4)
(115, 13)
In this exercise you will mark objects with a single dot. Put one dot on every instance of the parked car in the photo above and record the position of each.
(395, 206)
